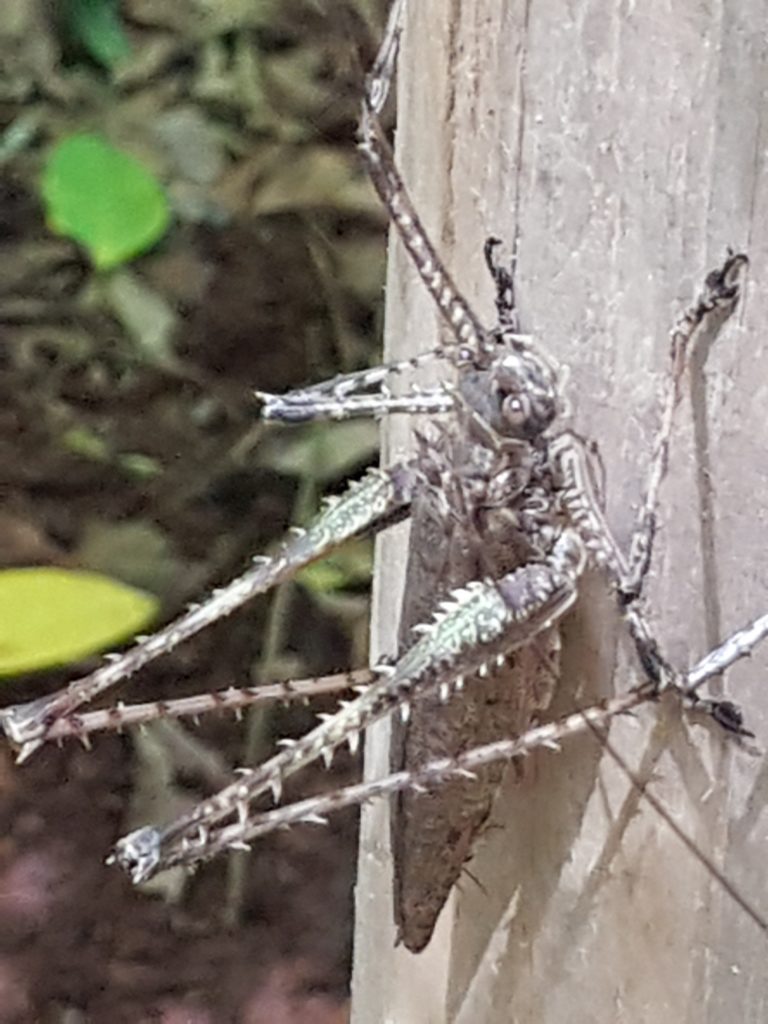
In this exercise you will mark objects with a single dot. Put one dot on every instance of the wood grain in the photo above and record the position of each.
(625, 145)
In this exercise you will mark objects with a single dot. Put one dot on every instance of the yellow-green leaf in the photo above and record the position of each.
(103, 198)
(51, 616)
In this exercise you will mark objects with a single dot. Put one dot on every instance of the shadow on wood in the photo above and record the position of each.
(623, 148)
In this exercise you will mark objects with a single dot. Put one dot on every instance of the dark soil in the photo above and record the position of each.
(78, 943)
(149, 465)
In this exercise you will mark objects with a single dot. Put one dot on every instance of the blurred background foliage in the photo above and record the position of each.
(129, 446)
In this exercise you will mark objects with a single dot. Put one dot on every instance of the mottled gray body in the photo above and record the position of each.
(480, 513)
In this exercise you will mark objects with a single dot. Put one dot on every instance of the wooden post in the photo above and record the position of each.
(623, 144)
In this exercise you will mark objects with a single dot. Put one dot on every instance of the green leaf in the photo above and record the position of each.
(97, 27)
(103, 198)
(85, 442)
(139, 466)
(350, 566)
(51, 616)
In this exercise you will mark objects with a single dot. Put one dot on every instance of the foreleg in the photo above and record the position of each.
(719, 296)
(586, 515)
(717, 300)
(504, 279)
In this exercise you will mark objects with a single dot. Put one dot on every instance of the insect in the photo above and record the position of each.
(508, 516)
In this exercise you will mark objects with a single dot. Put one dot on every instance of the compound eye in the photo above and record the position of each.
(516, 409)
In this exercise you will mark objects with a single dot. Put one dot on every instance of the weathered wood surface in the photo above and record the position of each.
(625, 144)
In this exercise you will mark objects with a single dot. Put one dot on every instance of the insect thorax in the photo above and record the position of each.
(490, 488)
